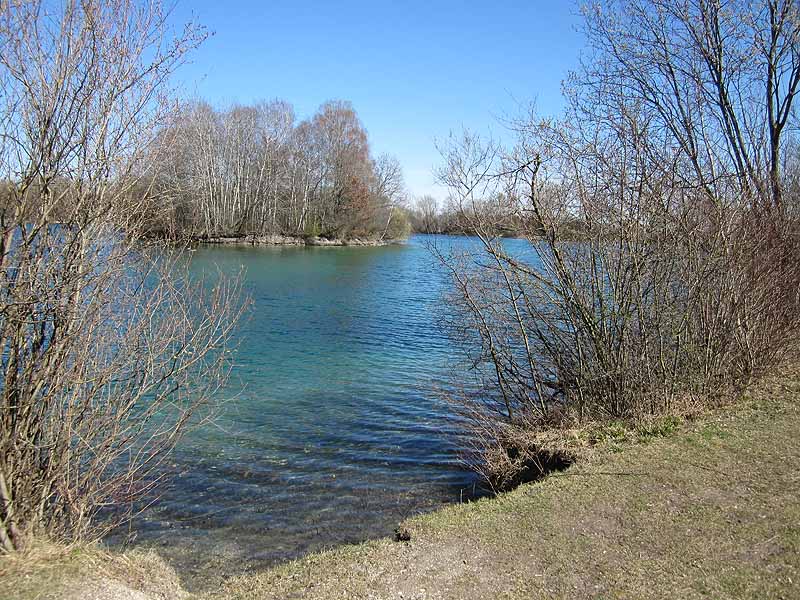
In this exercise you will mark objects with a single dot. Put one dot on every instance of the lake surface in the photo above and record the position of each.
(336, 430)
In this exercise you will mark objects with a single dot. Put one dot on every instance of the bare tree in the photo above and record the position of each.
(254, 171)
(716, 80)
(109, 350)
(388, 193)
(428, 211)
(680, 284)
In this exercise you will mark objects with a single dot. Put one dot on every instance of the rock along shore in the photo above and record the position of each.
(282, 240)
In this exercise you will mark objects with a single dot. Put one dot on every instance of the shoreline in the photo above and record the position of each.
(288, 240)
(647, 507)
(659, 515)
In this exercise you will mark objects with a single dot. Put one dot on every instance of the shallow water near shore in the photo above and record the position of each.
(335, 430)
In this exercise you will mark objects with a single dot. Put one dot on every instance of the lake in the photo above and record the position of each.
(335, 429)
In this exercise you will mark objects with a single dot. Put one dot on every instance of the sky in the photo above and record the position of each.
(414, 71)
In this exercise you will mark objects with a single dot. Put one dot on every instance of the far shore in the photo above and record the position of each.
(286, 240)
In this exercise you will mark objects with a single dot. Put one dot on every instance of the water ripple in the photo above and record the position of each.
(337, 429)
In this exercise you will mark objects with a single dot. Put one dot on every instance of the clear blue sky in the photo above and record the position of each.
(413, 70)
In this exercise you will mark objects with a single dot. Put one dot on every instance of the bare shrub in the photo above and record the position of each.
(109, 349)
(677, 278)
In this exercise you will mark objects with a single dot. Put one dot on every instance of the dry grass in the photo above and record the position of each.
(86, 571)
(710, 511)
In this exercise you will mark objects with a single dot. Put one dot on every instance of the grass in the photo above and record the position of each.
(50, 572)
(705, 509)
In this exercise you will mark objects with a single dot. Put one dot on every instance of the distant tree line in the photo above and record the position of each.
(256, 170)
(500, 214)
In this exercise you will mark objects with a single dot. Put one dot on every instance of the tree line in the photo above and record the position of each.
(430, 216)
(259, 171)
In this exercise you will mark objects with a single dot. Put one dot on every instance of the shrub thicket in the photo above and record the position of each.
(684, 282)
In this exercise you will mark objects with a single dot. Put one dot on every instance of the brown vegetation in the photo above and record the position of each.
(683, 285)
(109, 350)
(254, 170)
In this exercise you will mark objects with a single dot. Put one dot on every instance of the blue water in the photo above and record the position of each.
(335, 428)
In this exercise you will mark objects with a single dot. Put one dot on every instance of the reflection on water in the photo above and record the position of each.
(338, 431)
